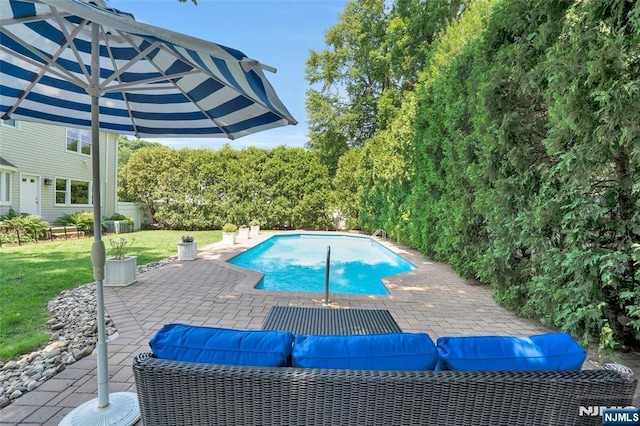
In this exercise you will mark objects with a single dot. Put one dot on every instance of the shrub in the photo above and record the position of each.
(229, 227)
(120, 247)
(7, 237)
(35, 226)
(118, 216)
(30, 226)
(9, 215)
(83, 220)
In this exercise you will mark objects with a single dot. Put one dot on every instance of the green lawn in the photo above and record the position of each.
(32, 275)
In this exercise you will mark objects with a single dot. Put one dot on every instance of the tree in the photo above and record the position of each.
(413, 27)
(404, 177)
(372, 59)
(349, 76)
(347, 187)
(126, 147)
(142, 178)
(523, 171)
(594, 98)
(327, 121)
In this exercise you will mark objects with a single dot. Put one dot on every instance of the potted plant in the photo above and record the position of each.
(255, 228)
(229, 233)
(187, 249)
(243, 232)
(120, 268)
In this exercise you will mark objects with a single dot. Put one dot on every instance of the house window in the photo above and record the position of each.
(73, 192)
(79, 141)
(5, 187)
(11, 123)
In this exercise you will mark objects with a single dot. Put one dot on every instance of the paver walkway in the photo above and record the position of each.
(209, 291)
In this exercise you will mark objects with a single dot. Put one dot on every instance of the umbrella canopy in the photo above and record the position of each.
(83, 65)
(152, 82)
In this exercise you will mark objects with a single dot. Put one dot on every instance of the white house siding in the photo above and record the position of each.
(40, 150)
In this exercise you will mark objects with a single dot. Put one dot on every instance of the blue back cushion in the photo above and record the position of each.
(553, 351)
(395, 351)
(182, 342)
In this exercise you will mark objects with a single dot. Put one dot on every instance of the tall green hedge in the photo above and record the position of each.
(522, 163)
(588, 210)
(204, 189)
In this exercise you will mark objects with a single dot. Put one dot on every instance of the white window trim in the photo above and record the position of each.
(79, 151)
(67, 197)
(16, 125)
(5, 171)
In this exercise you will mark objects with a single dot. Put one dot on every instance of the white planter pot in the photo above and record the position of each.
(229, 238)
(255, 230)
(188, 251)
(120, 272)
(243, 233)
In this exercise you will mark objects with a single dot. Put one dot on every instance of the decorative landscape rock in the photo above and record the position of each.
(74, 332)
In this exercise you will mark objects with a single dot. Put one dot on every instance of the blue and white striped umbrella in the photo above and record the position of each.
(80, 64)
(152, 82)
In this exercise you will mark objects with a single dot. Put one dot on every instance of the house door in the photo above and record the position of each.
(29, 199)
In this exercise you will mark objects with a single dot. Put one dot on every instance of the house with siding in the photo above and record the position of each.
(46, 170)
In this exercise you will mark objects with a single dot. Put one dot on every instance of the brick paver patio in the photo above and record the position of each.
(209, 291)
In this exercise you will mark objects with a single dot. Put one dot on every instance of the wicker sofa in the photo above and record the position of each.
(188, 393)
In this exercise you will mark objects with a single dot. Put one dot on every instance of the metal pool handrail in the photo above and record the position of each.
(326, 301)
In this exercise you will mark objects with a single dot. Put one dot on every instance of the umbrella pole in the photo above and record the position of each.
(120, 408)
(98, 258)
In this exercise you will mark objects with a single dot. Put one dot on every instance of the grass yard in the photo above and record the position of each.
(32, 275)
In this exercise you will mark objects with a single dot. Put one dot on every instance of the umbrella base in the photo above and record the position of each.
(123, 409)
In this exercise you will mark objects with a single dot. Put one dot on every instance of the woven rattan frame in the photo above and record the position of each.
(184, 393)
(305, 320)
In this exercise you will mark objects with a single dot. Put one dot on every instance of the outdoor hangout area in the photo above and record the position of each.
(346, 375)
(316, 380)
(477, 161)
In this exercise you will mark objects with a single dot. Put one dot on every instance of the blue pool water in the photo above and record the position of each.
(298, 263)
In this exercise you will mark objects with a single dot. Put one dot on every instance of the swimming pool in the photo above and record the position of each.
(298, 263)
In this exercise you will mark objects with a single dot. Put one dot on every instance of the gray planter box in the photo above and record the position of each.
(118, 226)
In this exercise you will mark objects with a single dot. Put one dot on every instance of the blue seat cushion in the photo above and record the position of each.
(553, 351)
(182, 342)
(394, 351)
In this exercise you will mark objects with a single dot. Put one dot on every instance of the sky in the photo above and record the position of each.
(275, 32)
